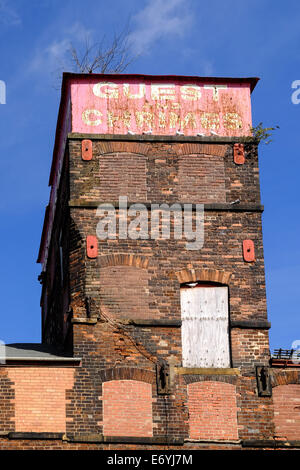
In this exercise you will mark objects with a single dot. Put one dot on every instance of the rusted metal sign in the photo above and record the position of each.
(137, 106)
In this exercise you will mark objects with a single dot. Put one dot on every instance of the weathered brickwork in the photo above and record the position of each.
(120, 311)
(127, 408)
(201, 178)
(47, 444)
(116, 312)
(40, 398)
(160, 173)
(55, 298)
(287, 411)
(138, 281)
(247, 287)
(212, 411)
(249, 347)
(112, 352)
(124, 291)
(7, 399)
(255, 415)
(122, 174)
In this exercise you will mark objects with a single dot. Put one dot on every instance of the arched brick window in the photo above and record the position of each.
(127, 408)
(124, 291)
(122, 174)
(201, 178)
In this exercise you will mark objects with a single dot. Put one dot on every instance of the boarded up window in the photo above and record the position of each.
(205, 334)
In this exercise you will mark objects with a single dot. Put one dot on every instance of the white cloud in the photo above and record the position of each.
(160, 18)
(79, 32)
(51, 56)
(8, 15)
(55, 57)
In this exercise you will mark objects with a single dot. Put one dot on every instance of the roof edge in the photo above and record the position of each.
(252, 80)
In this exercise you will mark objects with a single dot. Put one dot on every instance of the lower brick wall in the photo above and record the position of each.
(40, 397)
(127, 408)
(35, 399)
(212, 411)
(21, 444)
(286, 399)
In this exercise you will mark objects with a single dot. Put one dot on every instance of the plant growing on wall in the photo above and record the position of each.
(263, 134)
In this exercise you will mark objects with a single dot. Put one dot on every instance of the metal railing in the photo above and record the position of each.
(286, 354)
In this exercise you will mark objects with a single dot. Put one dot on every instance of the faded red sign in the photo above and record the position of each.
(142, 106)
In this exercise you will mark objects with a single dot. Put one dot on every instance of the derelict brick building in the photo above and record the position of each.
(147, 343)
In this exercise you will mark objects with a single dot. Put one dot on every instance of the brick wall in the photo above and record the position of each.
(149, 288)
(121, 174)
(201, 178)
(40, 398)
(249, 347)
(111, 353)
(127, 408)
(119, 166)
(55, 295)
(139, 280)
(287, 411)
(247, 286)
(124, 291)
(212, 411)
(255, 413)
(7, 400)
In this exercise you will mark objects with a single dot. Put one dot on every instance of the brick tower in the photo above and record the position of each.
(121, 304)
(153, 289)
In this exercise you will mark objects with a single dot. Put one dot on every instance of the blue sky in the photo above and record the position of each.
(185, 37)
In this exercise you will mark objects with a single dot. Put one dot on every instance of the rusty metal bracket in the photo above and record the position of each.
(163, 378)
(264, 387)
(91, 246)
(239, 154)
(86, 150)
(248, 251)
